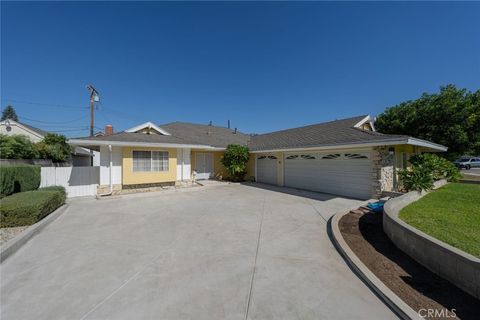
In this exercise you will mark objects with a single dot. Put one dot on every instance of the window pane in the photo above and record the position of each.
(159, 161)
(141, 161)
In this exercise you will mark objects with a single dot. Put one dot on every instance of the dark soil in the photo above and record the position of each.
(413, 283)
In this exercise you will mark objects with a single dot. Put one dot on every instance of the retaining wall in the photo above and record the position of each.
(458, 267)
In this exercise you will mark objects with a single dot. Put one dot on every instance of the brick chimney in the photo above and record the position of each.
(108, 129)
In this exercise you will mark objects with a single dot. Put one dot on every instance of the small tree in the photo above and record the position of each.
(235, 161)
(9, 113)
(54, 146)
(17, 147)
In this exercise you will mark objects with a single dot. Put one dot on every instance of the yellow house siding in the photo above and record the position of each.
(250, 167)
(130, 177)
(219, 171)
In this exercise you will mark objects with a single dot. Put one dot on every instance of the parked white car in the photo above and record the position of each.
(467, 163)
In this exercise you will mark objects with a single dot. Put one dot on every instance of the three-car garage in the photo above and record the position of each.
(345, 173)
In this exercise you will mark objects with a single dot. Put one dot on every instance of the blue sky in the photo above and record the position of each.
(265, 66)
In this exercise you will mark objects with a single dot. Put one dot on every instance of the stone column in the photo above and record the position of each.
(382, 171)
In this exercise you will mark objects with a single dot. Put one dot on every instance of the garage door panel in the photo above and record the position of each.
(267, 169)
(342, 173)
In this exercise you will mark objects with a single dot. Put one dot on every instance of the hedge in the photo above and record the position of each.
(26, 208)
(19, 178)
(55, 188)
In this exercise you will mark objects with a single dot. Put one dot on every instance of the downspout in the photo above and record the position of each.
(109, 173)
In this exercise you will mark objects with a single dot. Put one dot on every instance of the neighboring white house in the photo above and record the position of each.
(80, 156)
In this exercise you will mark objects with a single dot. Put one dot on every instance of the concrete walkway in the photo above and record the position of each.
(217, 252)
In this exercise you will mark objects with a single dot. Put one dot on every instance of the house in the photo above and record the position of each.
(80, 156)
(344, 157)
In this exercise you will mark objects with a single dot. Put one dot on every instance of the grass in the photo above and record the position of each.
(450, 214)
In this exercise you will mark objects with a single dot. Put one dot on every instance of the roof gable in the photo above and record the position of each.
(147, 127)
(32, 130)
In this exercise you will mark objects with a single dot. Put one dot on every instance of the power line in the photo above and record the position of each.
(53, 122)
(44, 104)
(73, 130)
(61, 126)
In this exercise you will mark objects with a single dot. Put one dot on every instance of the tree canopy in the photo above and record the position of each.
(53, 146)
(450, 117)
(9, 113)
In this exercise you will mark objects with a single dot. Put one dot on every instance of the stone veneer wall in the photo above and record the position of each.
(382, 171)
(116, 188)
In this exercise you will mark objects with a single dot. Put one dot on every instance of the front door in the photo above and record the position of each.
(204, 165)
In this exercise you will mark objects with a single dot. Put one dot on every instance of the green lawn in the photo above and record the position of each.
(450, 214)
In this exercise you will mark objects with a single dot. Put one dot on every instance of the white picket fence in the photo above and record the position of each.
(78, 181)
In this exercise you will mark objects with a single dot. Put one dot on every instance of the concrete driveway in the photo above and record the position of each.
(216, 252)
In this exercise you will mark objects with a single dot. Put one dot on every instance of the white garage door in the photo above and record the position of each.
(343, 173)
(267, 169)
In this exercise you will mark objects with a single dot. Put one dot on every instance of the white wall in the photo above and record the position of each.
(183, 164)
(96, 158)
(105, 163)
(78, 181)
(15, 129)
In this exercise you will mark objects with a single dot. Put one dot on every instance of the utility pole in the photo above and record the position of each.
(94, 97)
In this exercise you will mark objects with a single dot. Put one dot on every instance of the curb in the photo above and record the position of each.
(16, 243)
(400, 308)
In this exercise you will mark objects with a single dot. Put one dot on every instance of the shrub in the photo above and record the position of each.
(19, 178)
(55, 147)
(17, 147)
(7, 180)
(26, 208)
(59, 189)
(427, 168)
(416, 178)
(440, 167)
(235, 161)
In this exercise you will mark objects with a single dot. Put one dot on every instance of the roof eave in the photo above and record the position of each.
(406, 140)
(427, 144)
(87, 142)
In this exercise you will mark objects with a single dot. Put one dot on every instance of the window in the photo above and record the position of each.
(307, 157)
(267, 157)
(150, 161)
(332, 156)
(355, 156)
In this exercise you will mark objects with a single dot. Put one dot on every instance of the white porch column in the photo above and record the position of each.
(183, 164)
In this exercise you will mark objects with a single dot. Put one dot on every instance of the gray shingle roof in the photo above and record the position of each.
(182, 133)
(137, 137)
(338, 132)
(218, 137)
(322, 134)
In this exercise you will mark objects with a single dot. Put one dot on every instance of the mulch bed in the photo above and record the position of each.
(9, 233)
(413, 283)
